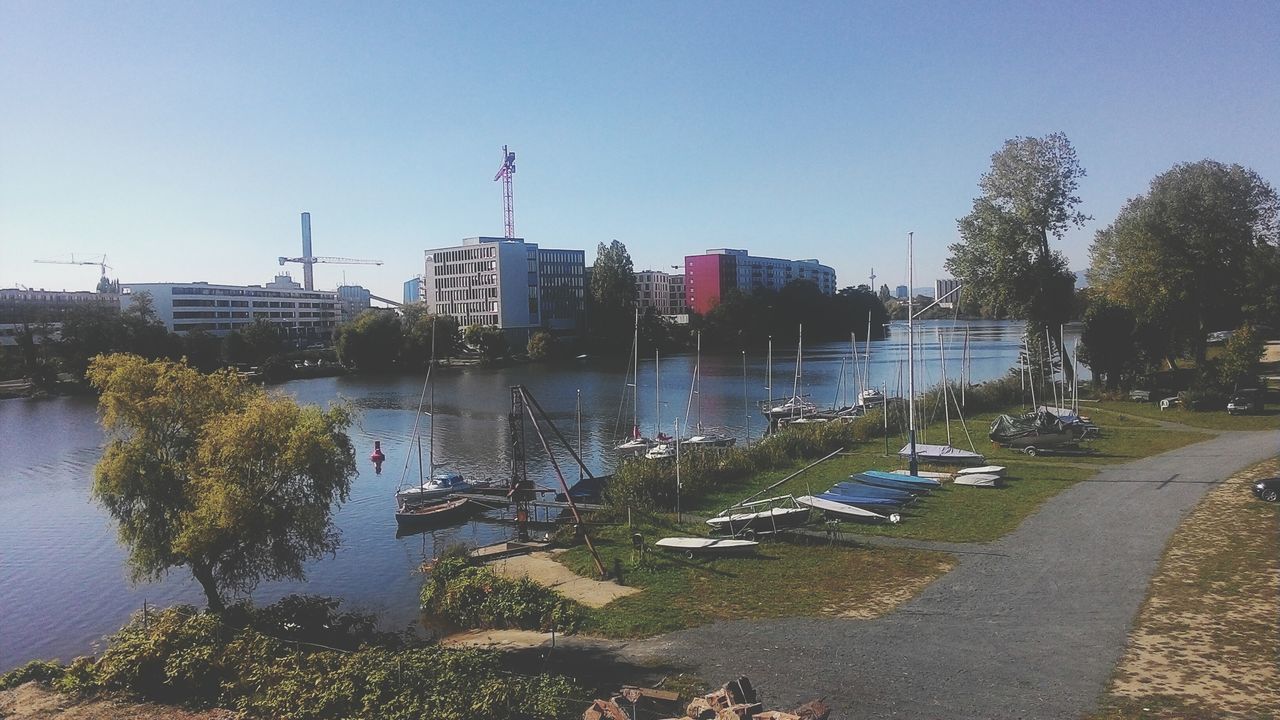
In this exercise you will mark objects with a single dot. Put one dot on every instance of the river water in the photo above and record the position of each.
(64, 579)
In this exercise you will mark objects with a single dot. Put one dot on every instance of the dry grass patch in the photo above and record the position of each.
(1206, 643)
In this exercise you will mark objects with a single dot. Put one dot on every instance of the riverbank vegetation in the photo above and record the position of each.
(474, 596)
(301, 658)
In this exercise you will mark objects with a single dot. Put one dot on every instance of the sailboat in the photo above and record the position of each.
(914, 452)
(433, 485)
(665, 446)
(635, 443)
(795, 408)
(701, 436)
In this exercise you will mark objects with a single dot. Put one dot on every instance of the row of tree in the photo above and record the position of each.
(1199, 251)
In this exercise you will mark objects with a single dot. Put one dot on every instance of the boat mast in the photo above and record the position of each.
(657, 398)
(795, 381)
(866, 356)
(913, 462)
(946, 406)
(769, 374)
(577, 413)
(697, 390)
(635, 376)
(746, 409)
(853, 345)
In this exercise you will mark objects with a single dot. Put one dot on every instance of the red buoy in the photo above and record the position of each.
(377, 455)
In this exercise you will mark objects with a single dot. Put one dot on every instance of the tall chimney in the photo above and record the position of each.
(308, 281)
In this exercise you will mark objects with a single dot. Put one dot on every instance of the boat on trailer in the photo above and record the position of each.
(844, 511)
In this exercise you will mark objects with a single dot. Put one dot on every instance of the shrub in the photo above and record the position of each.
(473, 596)
(205, 659)
(44, 672)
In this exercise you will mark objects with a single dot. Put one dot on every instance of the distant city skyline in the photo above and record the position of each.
(184, 140)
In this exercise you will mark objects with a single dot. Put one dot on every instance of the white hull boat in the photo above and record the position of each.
(843, 511)
(664, 451)
(942, 454)
(691, 546)
(997, 470)
(978, 480)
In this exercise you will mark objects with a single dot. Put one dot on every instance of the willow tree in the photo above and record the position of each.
(1199, 252)
(1005, 259)
(215, 475)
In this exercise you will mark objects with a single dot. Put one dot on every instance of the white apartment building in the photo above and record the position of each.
(219, 309)
(501, 282)
(653, 290)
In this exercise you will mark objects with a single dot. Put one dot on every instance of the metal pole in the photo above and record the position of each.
(746, 408)
(678, 519)
(913, 463)
(578, 415)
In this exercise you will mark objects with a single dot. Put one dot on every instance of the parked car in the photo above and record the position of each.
(1268, 489)
(1245, 401)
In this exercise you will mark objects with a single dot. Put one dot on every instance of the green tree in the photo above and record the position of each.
(262, 340)
(1238, 364)
(1004, 259)
(202, 350)
(371, 342)
(542, 345)
(1186, 257)
(422, 332)
(613, 295)
(1110, 348)
(489, 340)
(215, 475)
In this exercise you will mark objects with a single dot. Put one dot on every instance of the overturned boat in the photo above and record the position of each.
(942, 454)
(691, 546)
(843, 511)
(979, 480)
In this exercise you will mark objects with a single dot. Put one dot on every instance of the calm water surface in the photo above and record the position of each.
(64, 579)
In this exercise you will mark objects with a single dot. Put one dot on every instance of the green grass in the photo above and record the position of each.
(785, 579)
(1268, 419)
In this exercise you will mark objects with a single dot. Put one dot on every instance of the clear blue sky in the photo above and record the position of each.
(183, 139)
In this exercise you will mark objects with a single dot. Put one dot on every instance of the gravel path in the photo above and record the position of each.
(1029, 626)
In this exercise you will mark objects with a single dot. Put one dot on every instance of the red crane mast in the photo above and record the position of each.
(504, 174)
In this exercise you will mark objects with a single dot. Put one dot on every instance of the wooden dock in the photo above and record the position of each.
(499, 501)
(511, 548)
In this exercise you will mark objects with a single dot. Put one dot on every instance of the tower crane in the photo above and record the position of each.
(101, 262)
(308, 260)
(504, 174)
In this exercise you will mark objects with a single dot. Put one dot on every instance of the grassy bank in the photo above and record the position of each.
(1205, 643)
(786, 579)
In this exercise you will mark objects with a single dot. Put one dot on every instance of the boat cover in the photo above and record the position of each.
(1007, 429)
(941, 454)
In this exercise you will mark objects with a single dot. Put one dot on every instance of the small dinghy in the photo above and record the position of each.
(922, 480)
(847, 512)
(997, 470)
(863, 500)
(691, 546)
(979, 480)
(873, 481)
(857, 488)
(942, 454)
(436, 514)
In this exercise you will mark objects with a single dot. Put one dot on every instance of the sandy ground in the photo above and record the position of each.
(1207, 634)
(543, 568)
(32, 702)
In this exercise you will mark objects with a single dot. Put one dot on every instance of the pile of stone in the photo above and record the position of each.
(735, 700)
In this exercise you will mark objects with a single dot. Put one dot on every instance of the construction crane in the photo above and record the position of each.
(308, 260)
(101, 262)
(504, 174)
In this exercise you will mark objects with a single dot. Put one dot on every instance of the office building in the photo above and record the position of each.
(709, 276)
(507, 283)
(353, 300)
(653, 290)
(945, 291)
(900, 292)
(298, 314)
(46, 306)
(676, 302)
(413, 290)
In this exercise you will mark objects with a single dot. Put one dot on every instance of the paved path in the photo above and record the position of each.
(1029, 626)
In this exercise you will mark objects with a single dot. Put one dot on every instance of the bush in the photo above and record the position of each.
(472, 596)
(202, 659)
(44, 672)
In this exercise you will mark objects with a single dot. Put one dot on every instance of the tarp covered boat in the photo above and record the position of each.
(979, 480)
(1040, 429)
